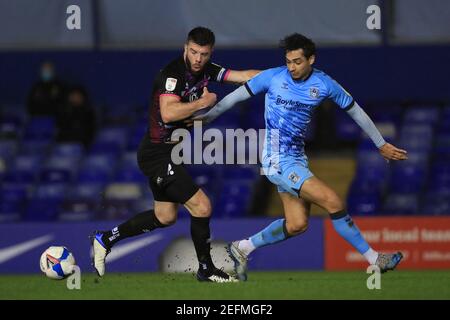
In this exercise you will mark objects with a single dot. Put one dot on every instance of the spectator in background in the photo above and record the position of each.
(76, 118)
(48, 94)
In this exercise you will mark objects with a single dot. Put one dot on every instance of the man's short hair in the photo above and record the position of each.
(201, 36)
(297, 41)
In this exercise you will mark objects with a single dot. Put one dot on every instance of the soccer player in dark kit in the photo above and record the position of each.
(179, 91)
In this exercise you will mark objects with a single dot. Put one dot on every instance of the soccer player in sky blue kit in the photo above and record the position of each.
(292, 92)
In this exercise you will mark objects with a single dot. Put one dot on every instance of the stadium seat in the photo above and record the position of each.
(407, 178)
(10, 211)
(364, 204)
(424, 132)
(8, 149)
(78, 210)
(106, 148)
(346, 128)
(401, 204)
(33, 147)
(40, 129)
(233, 199)
(93, 175)
(67, 163)
(435, 204)
(10, 128)
(14, 193)
(50, 191)
(136, 136)
(19, 177)
(55, 176)
(427, 114)
(28, 163)
(237, 172)
(72, 150)
(114, 135)
(42, 210)
(123, 191)
(115, 209)
(86, 191)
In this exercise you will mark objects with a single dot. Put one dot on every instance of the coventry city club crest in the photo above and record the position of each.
(314, 92)
(293, 177)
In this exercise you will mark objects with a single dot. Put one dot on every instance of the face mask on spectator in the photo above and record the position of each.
(46, 75)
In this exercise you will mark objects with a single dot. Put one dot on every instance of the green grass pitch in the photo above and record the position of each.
(261, 285)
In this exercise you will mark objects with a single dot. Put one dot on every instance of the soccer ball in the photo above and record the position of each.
(57, 262)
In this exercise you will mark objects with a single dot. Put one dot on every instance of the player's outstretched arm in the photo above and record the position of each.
(387, 150)
(241, 77)
(230, 100)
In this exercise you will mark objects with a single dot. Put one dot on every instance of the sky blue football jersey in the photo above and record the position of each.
(289, 103)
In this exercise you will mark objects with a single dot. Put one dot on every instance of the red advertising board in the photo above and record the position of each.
(424, 242)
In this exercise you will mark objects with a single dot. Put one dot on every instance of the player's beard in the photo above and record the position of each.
(189, 66)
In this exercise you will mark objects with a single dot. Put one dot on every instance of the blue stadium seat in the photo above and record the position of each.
(435, 204)
(364, 204)
(115, 210)
(401, 204)
(33, 147)
(28, 162)
(346, 128)
(427, 114)
(114, 135)
(93, 175)
(40, 128)
(142, 204)
(366, 185)
(407, 178)
(14, 193)
(106, 148)
(233, 199)
(103, 162)
(130, 174)
(238, 172)
(424, 132)
(19, 177)
(73, 150)
(50, 191)
(136, 136)
(78, 210)
(86, 190)
(442, 146)
(11, 211)
(55, 176)
(42, 210)
(10, 128)
(8, 149)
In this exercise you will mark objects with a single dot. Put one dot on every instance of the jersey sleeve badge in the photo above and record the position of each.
(171, 83)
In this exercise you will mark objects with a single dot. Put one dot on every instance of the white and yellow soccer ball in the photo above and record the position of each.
(57, 262)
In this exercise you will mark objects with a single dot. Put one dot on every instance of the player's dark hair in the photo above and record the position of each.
(201, 36)
(297, 41)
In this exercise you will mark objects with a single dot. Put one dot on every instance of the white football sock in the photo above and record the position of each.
(246, 246)
(371, 256)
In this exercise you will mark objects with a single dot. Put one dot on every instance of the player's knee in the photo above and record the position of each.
(202, 208)
(333, 203)
(166, 218)
(297, 227)
(168, 221)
